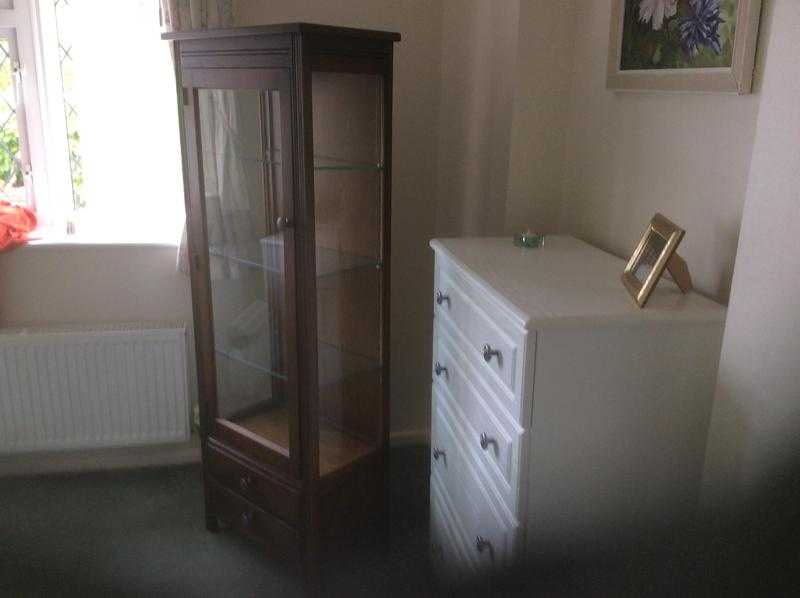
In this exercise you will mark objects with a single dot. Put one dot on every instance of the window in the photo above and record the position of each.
(91, 139)
(14, 163)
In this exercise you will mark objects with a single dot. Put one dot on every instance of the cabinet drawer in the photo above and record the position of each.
(488, 533)
(475, 409)
(489, 346)
(241, 515)
(268, 494)
(451, 562)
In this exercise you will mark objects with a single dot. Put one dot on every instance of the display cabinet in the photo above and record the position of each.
(287, 147)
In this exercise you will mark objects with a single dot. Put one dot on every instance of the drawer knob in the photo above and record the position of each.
(439, 369)
(486, 441)
(482, 544)
(247, 519)
(488, 353)
(245, 482)
(283, 223)
(441, 298)
(437, 452)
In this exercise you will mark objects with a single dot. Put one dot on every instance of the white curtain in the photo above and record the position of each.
(230, 177)
(180, 15)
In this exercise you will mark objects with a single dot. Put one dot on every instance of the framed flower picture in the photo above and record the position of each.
(683, 45)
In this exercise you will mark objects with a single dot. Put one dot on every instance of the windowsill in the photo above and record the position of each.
(50, 239)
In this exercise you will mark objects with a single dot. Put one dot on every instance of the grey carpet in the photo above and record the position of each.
(141, 533)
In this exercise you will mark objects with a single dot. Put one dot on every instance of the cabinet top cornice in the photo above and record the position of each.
(283, 28)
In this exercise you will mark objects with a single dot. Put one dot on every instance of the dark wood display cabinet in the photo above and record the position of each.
(287, 146)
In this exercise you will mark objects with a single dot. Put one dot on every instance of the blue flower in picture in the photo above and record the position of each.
(702, 27)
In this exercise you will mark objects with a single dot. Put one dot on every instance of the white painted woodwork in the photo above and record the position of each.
(595, 412)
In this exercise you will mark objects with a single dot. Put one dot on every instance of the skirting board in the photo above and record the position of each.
(410, 437)
(139, 456)
(101, 459)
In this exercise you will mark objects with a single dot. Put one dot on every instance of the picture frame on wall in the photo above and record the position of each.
(683, 45)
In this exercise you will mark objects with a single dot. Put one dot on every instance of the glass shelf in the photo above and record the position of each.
(329, 163)
(233, 157)
(336, 448)
(334, 364)
(320, 162)
(268, 255)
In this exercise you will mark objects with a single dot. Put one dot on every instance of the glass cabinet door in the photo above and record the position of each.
(348, 221)
(245, 165)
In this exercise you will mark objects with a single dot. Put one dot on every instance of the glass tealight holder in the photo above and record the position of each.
(529, 240)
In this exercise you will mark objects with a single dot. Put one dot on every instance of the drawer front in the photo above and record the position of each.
(451, 562)
(488, 529)
(493, 349)
(268, 494)
(487, 431)
(279, 539)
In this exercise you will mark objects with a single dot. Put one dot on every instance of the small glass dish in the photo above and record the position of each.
(529, 240)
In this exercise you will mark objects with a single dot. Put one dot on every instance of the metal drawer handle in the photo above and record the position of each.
(439, 369)
(245, 482)
(482, 544)
(439, 453)
(441, 298)
(488, 353)
(486, 441)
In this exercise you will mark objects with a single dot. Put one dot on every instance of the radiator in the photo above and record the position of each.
(89, 387)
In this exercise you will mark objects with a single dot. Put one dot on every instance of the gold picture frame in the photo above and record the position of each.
(656, 252)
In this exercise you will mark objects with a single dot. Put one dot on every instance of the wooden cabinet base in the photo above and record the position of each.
(245, 498)
(238, 514)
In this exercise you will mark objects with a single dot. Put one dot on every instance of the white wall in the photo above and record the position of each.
(755, 431)
(478, 48)
(91, 284)
(63, 284)
(632, 154)
(414, 172)
(541, 112)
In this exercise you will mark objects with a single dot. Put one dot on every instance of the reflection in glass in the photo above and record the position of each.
(652, 251)
(243, 191)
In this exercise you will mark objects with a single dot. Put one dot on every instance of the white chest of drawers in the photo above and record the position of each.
(563, 416)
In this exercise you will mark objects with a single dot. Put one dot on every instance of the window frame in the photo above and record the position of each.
(16, 24)
(44, 144)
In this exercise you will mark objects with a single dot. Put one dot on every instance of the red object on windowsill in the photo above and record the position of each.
(16, 222)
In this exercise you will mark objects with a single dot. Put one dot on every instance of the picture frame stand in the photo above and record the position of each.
(679, 270)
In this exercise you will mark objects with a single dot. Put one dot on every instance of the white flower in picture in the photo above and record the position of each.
(656, 11)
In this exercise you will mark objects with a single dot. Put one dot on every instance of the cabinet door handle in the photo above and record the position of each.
(247, 519)
(486, 441)
(439, 369)
(245, 482)
(439, 453)
(283, 222)
(488, 353)
(441, 298)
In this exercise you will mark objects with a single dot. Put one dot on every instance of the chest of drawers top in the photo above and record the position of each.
(567, 282)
